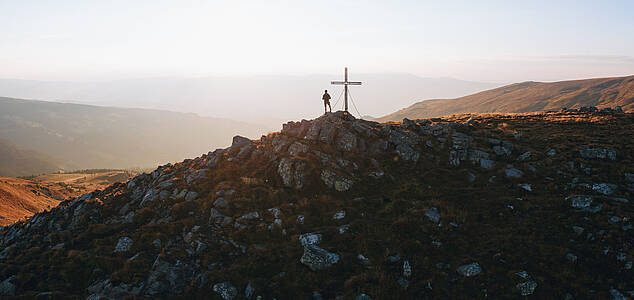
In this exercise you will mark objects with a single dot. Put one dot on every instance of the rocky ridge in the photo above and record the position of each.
(339, 208)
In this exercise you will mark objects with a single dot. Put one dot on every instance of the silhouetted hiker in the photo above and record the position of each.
(326, 98)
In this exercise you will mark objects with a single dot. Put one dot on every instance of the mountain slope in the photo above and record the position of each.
(529, 97)
(16, 161)
(21, 198)
(471, 206)
(93, 137)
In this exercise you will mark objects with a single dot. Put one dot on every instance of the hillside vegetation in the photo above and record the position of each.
(16, 161)
(20, 198)
(529, 97)
(498, 206)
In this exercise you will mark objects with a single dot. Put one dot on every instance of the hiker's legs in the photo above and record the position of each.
(325, 103)
(329, 107)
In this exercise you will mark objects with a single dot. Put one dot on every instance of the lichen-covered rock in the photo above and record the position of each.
(292, 172)
(123, 244)
(580, 201)
(469, 270)
(527, 287)
(317, 258)
(226, 290)
(332, 180)
(310, 239)
(598, 153)
(604, 188)
(513, 173)
(433, 214)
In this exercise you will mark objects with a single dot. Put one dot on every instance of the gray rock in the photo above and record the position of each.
(629, 177)
(580, 201)
(297, 148)
(226, 290)
(343, 228)
(332, 180)
(614, 220)
(623, 200)
(307, 239)
(221, 202)
(524, 156)
(292, 172)
(123, 244)
(407, 269)
(571, 257)
(525, 186)
(578, 230)
(406, 152)
(300, 219)
(364, 260)
(551, 152)
(500, 150)
(598, 153)
(471, 177)
(493, 141)
(362, 297)
(275, 212)
(469, 270)
(604, 188)
(513, 173)
(249, 291)
(433, 214)
(7, 288)
(486, 163)
(250, 216)
(217, 218)
(339, 215)
(616, 295)
(394, 258)
(317, 258)
(527, 288)
(402, 282)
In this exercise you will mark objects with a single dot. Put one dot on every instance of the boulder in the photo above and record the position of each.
(307, 239)
(580, 201)
(292, 172)
(317, 258)
(123, 244)
(604, 188)
(513, 173)
(226, 290)
(469, 270)
(433, 215)
(598, 153)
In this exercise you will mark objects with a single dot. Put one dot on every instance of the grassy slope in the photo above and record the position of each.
(17, 161)
(529, 97)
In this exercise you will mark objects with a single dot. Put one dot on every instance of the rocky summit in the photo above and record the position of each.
(469, 206)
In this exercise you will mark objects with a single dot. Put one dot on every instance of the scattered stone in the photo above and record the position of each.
(339, 215)
(433, 214)
(527, 288)
(123, 244)
(598, 153)
(524, 156)
(614, 220)
(226, 290)
(407, 269)
(394, 258)
(551, 152)
(300, 219)
(471, 177)
(250, 216)
(402, 282)
(513, 173)
(500, 150)
(486, 163)
(571, 257)
(249, 291)
(275, 212)
(623, 200)
(362, 297)
(580, 201)
(7, 288)
(317, 258)
(343, 228)
(310, 239)
(364, 260)
(217, 218)
(220, 202)
(469, 270)
(604, 188)
(616, 295)
(525, 186)
(578, 230)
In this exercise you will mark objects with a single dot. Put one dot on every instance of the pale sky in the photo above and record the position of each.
(494, 41)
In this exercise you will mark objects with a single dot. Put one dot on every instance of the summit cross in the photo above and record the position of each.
(345, 84)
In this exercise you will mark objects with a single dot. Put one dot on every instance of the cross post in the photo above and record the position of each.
(345, 84)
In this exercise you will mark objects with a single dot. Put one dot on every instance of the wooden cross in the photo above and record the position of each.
(345, 84)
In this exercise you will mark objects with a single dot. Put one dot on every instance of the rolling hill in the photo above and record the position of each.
(529, 97)
(94, 137)
(17, 161)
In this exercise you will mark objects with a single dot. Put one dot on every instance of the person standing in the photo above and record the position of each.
(326, 98)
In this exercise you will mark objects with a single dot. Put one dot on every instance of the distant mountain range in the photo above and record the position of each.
(42, 136)
(529, 97)
(262, 99)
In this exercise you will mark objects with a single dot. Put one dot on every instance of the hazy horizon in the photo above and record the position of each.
(485, 42)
